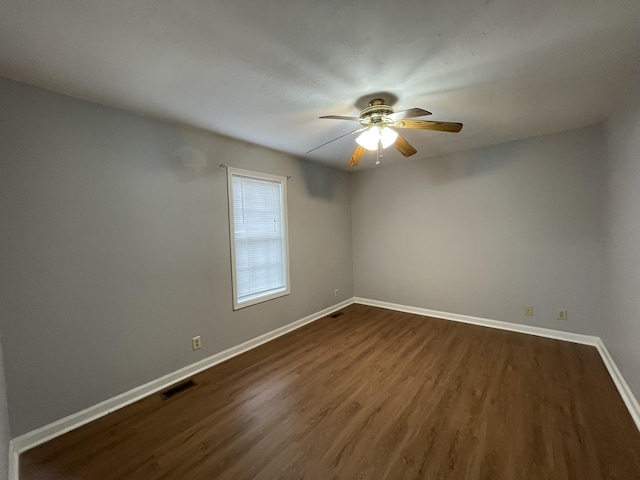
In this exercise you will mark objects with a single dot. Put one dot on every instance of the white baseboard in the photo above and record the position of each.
(36, 437)
(623, 388)
(485, 322)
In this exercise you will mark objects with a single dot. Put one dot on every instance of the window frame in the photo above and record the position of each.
(231, 172)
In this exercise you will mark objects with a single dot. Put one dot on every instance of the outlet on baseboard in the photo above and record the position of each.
(528, 310)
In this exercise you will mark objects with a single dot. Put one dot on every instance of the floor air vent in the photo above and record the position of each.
(176, 389)
(336, 314)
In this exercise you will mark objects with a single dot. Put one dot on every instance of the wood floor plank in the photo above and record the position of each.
(373, 394)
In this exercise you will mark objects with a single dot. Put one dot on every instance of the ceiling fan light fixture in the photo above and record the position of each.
(388, 137)
(369, 138)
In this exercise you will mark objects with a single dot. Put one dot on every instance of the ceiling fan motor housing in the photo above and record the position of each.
(375, 112)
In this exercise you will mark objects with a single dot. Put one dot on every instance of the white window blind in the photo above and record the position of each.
(258, 225)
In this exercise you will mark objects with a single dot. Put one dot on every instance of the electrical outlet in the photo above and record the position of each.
(335, 292)
(562, 314)
(196, 343)
(528, 310)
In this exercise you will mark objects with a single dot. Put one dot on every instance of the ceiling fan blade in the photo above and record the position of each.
(356, 156)
(340, 117)
(411, 113)
(404, 147)
(337, 138)
(429, 125)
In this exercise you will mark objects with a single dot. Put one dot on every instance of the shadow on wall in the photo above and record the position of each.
(194, 159)
(456, 166)
(320, 182)
(190, 163)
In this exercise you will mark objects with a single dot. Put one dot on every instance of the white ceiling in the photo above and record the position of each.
(265, 70)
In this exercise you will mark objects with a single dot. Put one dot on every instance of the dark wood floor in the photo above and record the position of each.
(373, 394)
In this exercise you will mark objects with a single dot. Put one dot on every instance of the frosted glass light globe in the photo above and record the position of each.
(388, 137)
(369, 138)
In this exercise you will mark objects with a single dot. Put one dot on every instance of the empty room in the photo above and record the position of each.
(320, 240)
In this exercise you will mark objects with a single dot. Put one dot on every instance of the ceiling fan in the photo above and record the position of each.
(377, 132)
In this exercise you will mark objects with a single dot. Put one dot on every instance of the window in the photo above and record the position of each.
(258, 230)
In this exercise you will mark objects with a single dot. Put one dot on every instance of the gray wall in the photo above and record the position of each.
(486, 231)
(4, 424)
(114, 253)
(621, 320)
